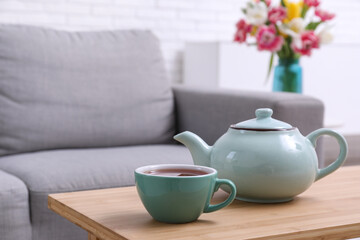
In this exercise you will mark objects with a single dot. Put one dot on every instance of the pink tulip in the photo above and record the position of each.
(268, 40)
(312, 3)
(242, 30)
(277, 14)
(308, 41)
(324, 15)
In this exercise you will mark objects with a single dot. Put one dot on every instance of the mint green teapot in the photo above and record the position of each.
(268, 160)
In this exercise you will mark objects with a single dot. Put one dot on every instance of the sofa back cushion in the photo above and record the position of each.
(63, 89)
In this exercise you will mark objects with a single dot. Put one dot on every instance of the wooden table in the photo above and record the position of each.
(330, 209)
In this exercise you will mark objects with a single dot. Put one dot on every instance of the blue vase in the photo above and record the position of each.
(288, 76)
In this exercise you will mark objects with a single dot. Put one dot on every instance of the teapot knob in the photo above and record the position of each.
(263, 113)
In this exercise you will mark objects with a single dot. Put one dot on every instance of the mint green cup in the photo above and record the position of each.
(174, 199)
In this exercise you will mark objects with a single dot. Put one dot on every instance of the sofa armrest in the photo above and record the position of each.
(210, 112)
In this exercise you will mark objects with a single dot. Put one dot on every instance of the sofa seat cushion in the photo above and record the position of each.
(14, 208)
(62, 89)
(80, 169)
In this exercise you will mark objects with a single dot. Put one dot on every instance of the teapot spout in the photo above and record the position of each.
(199, 150)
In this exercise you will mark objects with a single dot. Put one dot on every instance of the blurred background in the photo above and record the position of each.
(196, 39)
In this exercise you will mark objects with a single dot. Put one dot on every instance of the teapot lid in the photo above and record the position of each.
(263, 122)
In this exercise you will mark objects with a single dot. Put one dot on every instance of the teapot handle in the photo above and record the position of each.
(342, 155)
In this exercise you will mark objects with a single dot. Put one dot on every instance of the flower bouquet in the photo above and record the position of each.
(290, 30)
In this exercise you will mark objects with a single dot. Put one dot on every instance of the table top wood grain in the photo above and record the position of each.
(329, 209)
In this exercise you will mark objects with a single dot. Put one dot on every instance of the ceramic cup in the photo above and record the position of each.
(180, 199)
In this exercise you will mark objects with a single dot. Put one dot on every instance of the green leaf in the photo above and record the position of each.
(312, 25)
(283, 3)
(250, 4)
(270, 68)
(286, 49)
(304, 11)
(243, 10)
(290, 52)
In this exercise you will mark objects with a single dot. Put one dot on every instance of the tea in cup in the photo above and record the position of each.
(178, 193)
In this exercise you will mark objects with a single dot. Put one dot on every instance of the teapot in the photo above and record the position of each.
(268, 160)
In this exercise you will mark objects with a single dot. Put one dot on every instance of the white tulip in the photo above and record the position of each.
(297, 25)
(256, 13)
(325, 36)
(294, 28)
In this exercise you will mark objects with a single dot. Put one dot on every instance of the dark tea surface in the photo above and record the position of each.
(176, 172)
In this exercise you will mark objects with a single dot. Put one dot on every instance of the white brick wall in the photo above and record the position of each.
(173, 21)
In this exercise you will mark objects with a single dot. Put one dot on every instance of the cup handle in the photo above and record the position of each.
(212, 208)
(342, 155)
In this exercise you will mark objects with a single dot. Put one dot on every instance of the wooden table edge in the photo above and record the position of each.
(77, 218)
(352, 231)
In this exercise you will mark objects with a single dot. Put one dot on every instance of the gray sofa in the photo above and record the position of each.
(82, 110)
